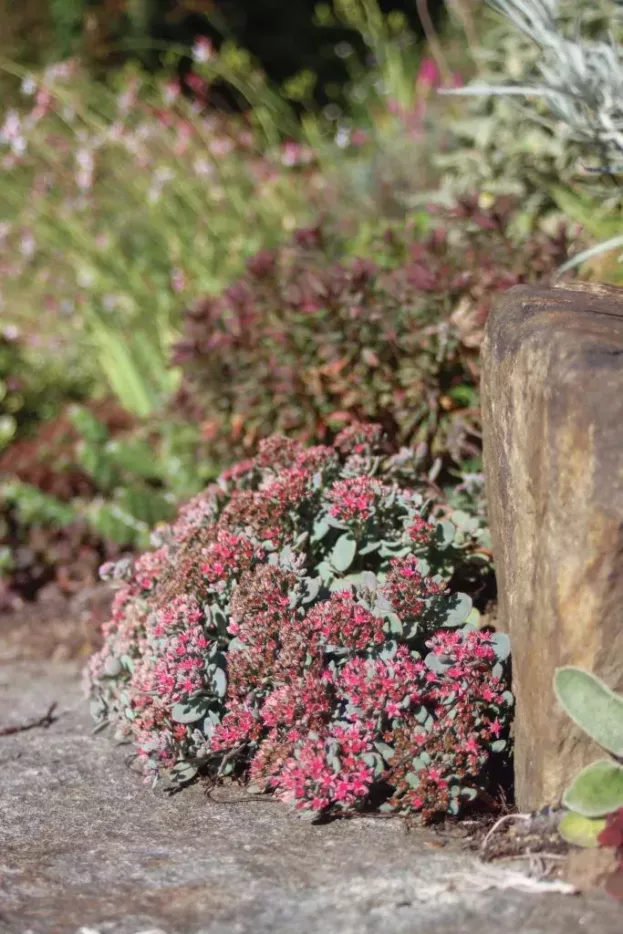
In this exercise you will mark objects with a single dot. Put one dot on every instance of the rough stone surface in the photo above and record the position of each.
(552, 368)
(87, 848)
(56, 627)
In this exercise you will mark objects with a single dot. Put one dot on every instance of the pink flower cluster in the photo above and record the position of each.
(407, 588)
(353, 500)
(342, 622)
(310, 776)
(312, 738)
(238, 642)
(226, 558)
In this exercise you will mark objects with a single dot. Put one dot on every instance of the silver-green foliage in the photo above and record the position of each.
(598, 789)
(580, 79)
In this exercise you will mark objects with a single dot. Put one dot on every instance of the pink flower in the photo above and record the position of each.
(203, 50)
(354, 499)
(178, 280)
(428, 75)
(495, 727)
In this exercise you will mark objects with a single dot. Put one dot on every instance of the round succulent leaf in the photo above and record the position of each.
(444, 534)
(340, 584)
(411, 629)
(320, 528)
(464, 522)
(219, 681)
(596, 790)
(423, 717)
(382, 604)
(455, 608)
(498, 671)
(395, 624)
(436, 664)
(311, 586)
(344, 552)
(286, 556)
(370, 548)
(368, 580)
(388, 650)
(217, 657)
(191, 711)
(468, 794)
(97, 708)
(112, 667)
(334, 523)
(502, 645)
(183, 772)
(375, 762)
(579, 830)
(208, 728)
(325, 571)
(474, 618)
(308, 815)
(592, 705)
(385, 750)
(395, 550)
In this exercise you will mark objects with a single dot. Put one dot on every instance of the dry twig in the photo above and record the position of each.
(45, 721)
(502, 820)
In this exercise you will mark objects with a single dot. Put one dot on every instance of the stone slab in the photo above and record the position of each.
(87, 848)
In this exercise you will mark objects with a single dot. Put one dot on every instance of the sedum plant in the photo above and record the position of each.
(597, 791)
(295, 627)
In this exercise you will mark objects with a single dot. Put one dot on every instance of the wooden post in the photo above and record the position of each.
(552, 397)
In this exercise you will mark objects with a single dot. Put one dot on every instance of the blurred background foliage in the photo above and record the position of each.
(284, 38)
(218, 219)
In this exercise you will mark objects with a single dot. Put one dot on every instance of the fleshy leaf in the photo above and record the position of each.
(579, 830)
(395, 624)
(219, 682)
(502, 645)
(343, 552)
(112, 667)
(183, 772)
(312, 588)
(320, 529)
(596, 790)
(190, 712)
(385, 750)
(454, 609)
(592, 705)
(435, 663)
(371, 547)
(445, 533)
(368, 579)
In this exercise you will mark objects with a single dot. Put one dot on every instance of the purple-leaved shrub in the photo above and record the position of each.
(393, 339)
(295, 627)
